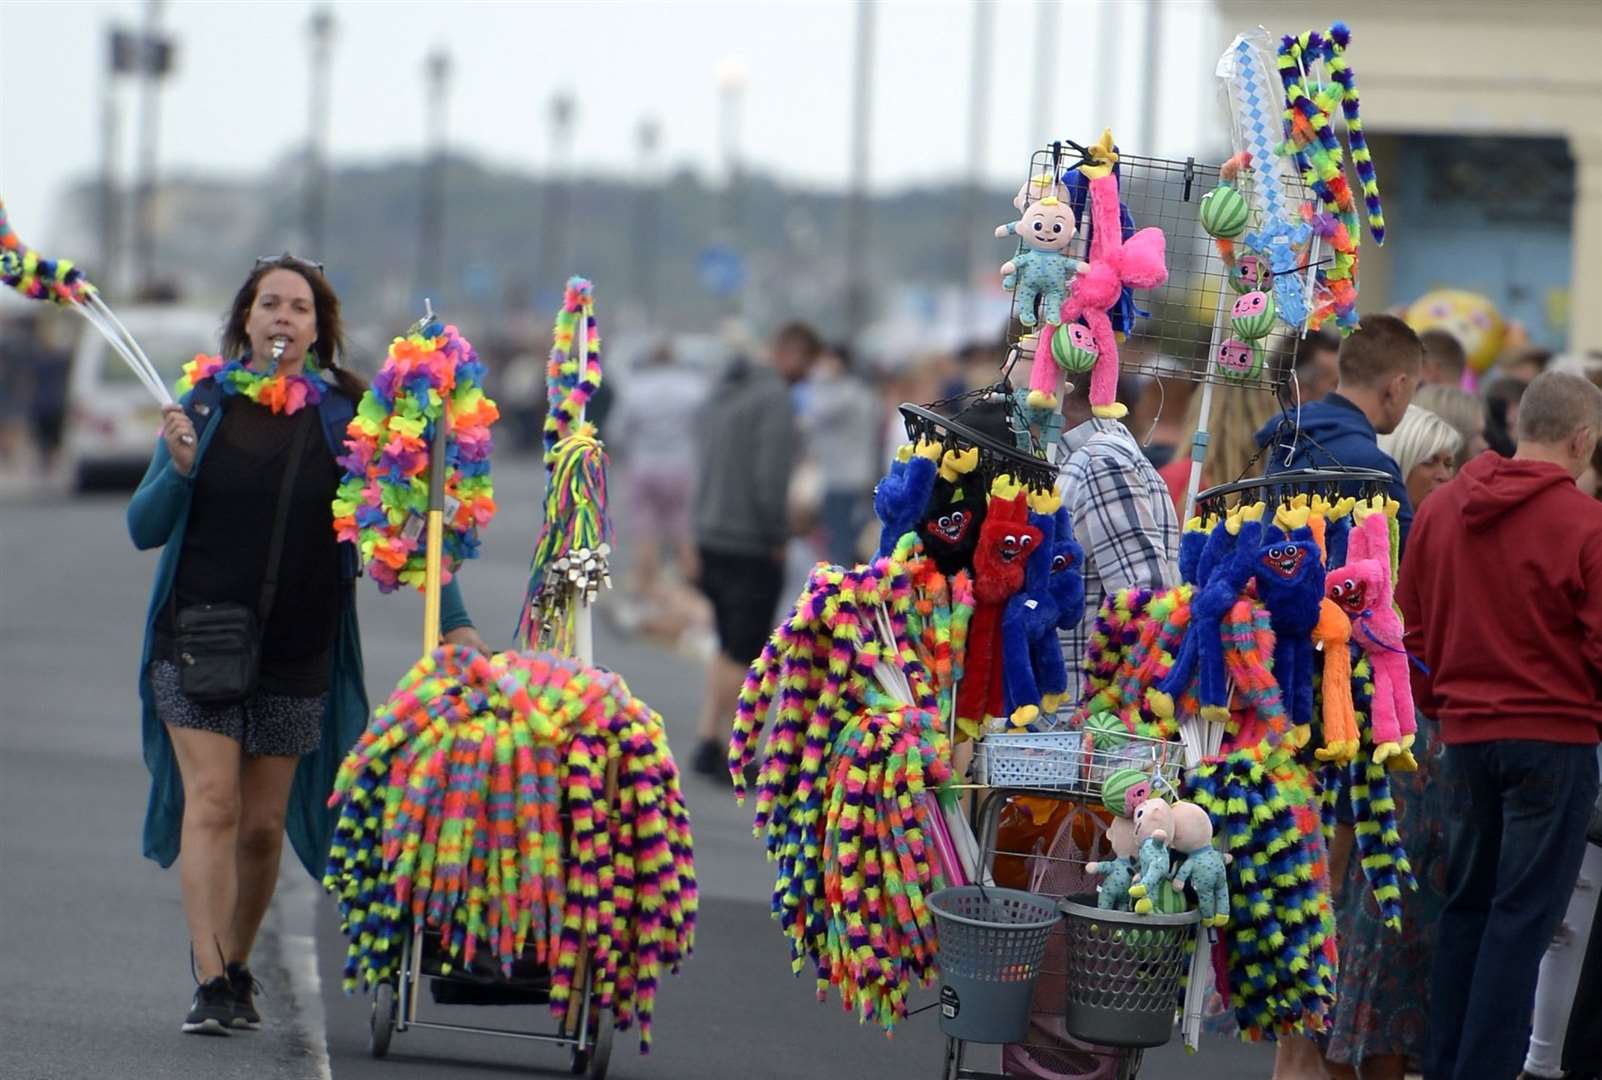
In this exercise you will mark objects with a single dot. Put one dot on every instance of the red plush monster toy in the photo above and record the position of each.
(1006, 540)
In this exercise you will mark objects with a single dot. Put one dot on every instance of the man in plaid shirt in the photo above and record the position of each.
(1124, 518)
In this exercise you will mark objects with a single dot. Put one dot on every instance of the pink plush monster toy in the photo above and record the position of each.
(1114, 263)
(1363, 588)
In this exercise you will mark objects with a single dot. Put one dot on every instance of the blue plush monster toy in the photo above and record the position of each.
(1035, 674)
(903, 494)
(1290, 582)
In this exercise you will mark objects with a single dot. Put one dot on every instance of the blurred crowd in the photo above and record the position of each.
(34, 362)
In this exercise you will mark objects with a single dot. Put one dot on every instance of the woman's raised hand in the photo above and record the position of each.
(179, 435)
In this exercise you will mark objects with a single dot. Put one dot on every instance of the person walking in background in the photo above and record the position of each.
(1382, 997)
(1231, 439)
(1501, 593)
(748, 446)
(1379, 369)
(653, 439)
(843, 427)
(1460, 409)
(1444, 359)
(1123, 517)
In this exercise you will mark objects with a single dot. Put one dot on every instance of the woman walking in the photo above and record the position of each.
(238, 496)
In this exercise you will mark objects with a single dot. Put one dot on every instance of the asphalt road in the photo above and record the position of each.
(93, 966)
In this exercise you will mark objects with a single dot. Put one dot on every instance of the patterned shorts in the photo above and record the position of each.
(263, 724)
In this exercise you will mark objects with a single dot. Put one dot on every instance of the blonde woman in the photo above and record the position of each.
(1236, 417)
(1462, 410)
(1425, 447)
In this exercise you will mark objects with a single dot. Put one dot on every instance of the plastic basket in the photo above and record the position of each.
(990, 946)
(1068, 761)
(1124, 972)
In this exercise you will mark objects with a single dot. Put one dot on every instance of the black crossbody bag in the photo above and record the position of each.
(218, 646)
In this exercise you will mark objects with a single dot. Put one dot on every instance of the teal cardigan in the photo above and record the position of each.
(157, 517)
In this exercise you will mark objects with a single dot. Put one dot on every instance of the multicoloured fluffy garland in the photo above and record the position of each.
(1319, 155)
(570, 559)
(58, 281)
(431, 374)
(281, 393)
(1385, 864)
(838, 790)
(36, 277)
(451, 810)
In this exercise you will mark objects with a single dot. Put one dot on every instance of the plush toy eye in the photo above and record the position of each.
(1039, 225)
(1010, 540)
(1351, 586)
(1059, 563)
(1057, 228)
(945, 522)
(1336, 591)
(1026, 541)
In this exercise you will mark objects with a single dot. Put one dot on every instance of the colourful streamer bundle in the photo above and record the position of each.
(452, 810)
(845, 762)
(571, 555)
(429, 376)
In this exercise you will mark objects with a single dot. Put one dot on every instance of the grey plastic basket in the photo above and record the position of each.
(990, 946)
(1124, 972)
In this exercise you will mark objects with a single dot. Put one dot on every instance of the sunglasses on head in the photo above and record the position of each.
(286, 259)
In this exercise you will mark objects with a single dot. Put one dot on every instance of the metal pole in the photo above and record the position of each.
(978, 116)
(1151, 72)
(149, 103)
(110, 219)
(431, 249)
(646, 204)
(553, 254)
(856, 213)
(321, 26)
(1046, 52)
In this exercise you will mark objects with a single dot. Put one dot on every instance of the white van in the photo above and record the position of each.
(112, 421)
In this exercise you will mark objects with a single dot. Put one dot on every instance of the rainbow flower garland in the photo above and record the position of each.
(382, 503)
(451, 818)
(281, 393)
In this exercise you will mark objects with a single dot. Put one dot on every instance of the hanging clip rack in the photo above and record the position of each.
(958, 429)
(1332, 483)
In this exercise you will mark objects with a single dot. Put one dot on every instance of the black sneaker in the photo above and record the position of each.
(711, 760)
(244, 987)
(213, 1010)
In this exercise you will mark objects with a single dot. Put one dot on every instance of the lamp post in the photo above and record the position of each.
(155, 54)
(321, 28)
(857, 210)
(554, 224)
(431, 247)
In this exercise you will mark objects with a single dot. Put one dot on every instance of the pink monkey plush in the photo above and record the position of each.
(1363, 588)
(1114, 262)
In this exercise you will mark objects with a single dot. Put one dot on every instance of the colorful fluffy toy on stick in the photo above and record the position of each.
(570, 563)
(61, 283)
(1114, 264)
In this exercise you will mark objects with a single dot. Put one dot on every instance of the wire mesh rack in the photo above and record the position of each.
(1179, 326)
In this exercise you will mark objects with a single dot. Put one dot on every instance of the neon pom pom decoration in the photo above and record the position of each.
(60, 282)
(427, 399)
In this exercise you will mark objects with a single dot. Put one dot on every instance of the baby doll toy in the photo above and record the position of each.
(1041, 270)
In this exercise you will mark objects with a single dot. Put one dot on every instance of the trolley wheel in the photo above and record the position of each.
(382, 1023)
(1129, 1064)
(595, 1059)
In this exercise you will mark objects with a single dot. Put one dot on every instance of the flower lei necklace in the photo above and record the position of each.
(279, 392)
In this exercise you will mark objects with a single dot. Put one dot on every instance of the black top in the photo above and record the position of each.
(224, 556)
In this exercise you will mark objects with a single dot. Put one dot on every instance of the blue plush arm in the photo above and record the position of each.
(154, 508)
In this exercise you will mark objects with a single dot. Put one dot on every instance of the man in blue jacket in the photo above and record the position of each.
(1379, 365)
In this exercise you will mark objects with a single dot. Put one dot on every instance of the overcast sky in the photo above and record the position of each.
(238, 98)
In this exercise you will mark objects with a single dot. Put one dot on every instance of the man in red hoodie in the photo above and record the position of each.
(1501, 590)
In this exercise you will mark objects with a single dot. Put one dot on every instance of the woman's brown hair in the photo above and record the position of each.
(330, 344)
